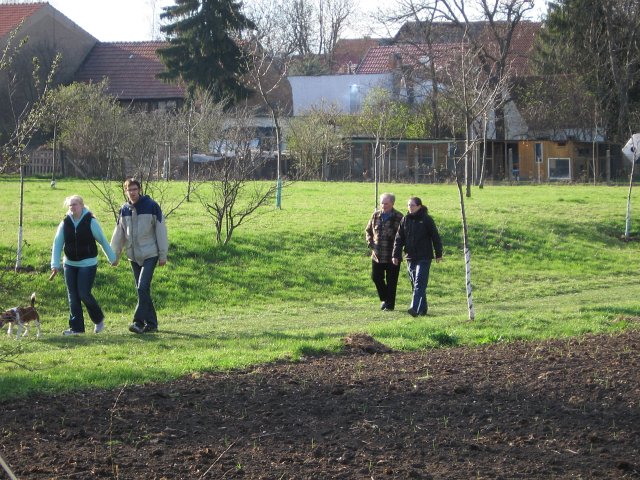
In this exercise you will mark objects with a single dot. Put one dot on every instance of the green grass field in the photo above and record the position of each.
(547, 261)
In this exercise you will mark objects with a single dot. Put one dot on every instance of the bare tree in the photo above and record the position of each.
(315, 141)
(490, 27)
(266, 78)
(334, 17)
(630, 151)
(154, 19)
(141, 133)
(28, 118)
(268, 62)
(381, 119)
(302, 27)
(91, 125)
(299, 15)
(493, 42)
(472, 95)
(199, 122)
(232, 195)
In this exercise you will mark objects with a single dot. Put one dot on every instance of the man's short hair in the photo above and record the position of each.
(132, 181)
(390, 196)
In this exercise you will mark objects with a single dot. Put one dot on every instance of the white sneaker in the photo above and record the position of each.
(69, 331)
(98, 327)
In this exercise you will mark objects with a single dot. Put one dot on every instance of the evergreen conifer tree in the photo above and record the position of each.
(205, 47)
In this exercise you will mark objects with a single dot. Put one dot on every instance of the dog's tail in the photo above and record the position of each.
(33, 299)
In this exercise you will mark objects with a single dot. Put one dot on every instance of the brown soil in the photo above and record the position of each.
(552, 410)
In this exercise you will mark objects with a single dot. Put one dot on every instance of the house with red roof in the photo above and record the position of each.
(131, 70)
(130, 67)
(47, 32)
(407, 68)
(37, 30)
(447, 33)
(398, 68)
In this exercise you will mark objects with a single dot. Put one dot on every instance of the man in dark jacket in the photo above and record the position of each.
(419, 237)
(380, 235)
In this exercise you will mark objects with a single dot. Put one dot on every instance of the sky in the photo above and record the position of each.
(132, 20)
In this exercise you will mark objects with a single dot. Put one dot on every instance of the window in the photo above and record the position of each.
(559, 169)
(422, 157)
(537, 151)
(426, 157)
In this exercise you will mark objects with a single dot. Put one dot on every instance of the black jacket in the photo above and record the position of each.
(79, 243)
(419, 237)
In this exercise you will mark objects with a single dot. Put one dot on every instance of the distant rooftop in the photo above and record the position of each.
(384, 59)
(12, 14)
(349, 52)
(131, 68)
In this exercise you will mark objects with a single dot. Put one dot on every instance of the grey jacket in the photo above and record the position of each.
(142, 229)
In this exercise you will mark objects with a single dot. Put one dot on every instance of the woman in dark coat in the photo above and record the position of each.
(419, 237)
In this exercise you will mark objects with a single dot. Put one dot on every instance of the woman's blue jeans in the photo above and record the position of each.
(419, 276)
(79, 281)
(145, 312)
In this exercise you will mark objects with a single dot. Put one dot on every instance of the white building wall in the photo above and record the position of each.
(344, 92)
(515, 126)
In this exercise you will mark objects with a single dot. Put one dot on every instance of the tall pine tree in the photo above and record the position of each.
(205, 46)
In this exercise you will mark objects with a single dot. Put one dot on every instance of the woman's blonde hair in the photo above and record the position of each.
(71, 198)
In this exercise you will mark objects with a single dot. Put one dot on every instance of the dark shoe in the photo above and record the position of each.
(423, 314)
(150, 329)
(135, 328)
(412, 312)
(388, 308)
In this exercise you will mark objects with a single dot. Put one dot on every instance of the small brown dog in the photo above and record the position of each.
(22, 316)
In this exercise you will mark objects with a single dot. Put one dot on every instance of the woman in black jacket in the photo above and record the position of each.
(419, 237)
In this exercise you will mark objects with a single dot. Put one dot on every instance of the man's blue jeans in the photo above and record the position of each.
(419, 276)
(145, 312)
(79, 281)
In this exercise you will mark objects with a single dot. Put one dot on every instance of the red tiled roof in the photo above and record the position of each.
(131, 68)
(522, 44)
(11, 14)
(349, 52)
(448, 33)
(384, 59)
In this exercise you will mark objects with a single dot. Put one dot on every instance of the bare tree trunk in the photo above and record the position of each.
(467, 158)
(189, 153)
(593, 161)
(19, 252)
(278, 164)
(627, 227)
(467, 252)
(55, 150)
(484, 151)
(375, 171)
(593, 143)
